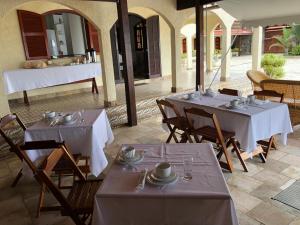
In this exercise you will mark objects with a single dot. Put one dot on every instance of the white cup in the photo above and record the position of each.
(191, 95)
(251, 98)
(68, 117)
(49, 114)
(163, 170)
(234, 103)
(128, 152)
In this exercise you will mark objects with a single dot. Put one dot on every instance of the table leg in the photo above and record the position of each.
(94, 86)
(26, 101)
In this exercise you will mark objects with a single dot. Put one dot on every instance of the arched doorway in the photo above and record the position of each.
(145, 42)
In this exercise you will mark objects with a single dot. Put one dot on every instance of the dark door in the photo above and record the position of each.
(153, 43)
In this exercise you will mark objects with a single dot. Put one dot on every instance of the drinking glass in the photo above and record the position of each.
(188, 167)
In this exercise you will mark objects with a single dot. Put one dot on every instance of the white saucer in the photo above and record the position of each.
(233, 107)
(151, 179)
(72, 121)
(139, 156)
(166, 179)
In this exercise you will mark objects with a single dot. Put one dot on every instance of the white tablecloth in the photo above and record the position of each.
(203, 200)
(87, 138)
(250, 124)
(29, 79)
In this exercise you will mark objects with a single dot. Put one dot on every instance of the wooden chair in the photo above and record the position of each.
(227, 91)
(63, 168)
(223, 139)
(80, 201)
(174, 123)
(274, 96)
(10, 123)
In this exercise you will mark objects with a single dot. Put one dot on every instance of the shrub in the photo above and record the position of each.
(273, 60)
(274, 72)
(273, 65)
(296, 50)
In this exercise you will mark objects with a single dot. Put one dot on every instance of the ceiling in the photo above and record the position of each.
(263, 12)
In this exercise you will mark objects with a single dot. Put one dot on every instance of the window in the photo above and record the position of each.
(56, 34)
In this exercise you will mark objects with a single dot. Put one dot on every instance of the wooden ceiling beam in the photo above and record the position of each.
(186, 4)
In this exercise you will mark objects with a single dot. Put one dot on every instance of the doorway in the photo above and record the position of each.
(145, 43)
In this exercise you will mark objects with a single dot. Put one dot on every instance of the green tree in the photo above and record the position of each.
(285, 40)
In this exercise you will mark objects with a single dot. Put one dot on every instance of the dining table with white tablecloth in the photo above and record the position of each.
(30, 79)
(250, 122)
(205, 199)
(87, 135)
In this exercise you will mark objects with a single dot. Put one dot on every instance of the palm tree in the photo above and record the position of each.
(285, 40)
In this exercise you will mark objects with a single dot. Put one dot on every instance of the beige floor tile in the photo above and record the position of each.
(270, 215)
(295, 222)
(291, 159)
(276, 154)
(292, 172)
(272, 178)
(244, 201)
(275, 165)
(265, 192)
(244, 183)
(244, 219)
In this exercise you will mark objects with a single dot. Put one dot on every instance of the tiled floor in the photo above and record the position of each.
(250, 191)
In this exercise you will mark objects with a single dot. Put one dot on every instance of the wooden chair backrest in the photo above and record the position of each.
(202, 113)
(60, 150)
(269, 93)
(228, 91)
(166, 104)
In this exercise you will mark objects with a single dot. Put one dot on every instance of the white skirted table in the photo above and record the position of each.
(87, 137)
(203, 200)
(250, 123)
(30, 79)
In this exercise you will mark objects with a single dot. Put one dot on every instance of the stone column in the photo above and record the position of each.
(257, 41)
(176, 47)
(226, 58)
(211, 50)
(108, 78)
(189, 51)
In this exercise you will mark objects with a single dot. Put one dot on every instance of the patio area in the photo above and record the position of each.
(251, 192)
(149, 112)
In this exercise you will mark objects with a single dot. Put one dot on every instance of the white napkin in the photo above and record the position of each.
(142, 180)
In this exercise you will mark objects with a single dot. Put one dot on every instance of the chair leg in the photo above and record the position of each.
(270, 145)
(41, 200)
(16, 180)
(238, 152)
(172, 135)
(262, 157)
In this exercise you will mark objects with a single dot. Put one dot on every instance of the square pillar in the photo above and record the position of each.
(176, 47)
(189, 51)
(226, 53)
(108, 78)
(211, 51)
(257, 43)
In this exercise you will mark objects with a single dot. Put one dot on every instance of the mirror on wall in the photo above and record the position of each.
(56, 34)
(66, 34)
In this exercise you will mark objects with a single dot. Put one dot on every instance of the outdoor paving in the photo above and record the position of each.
(250, 191)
